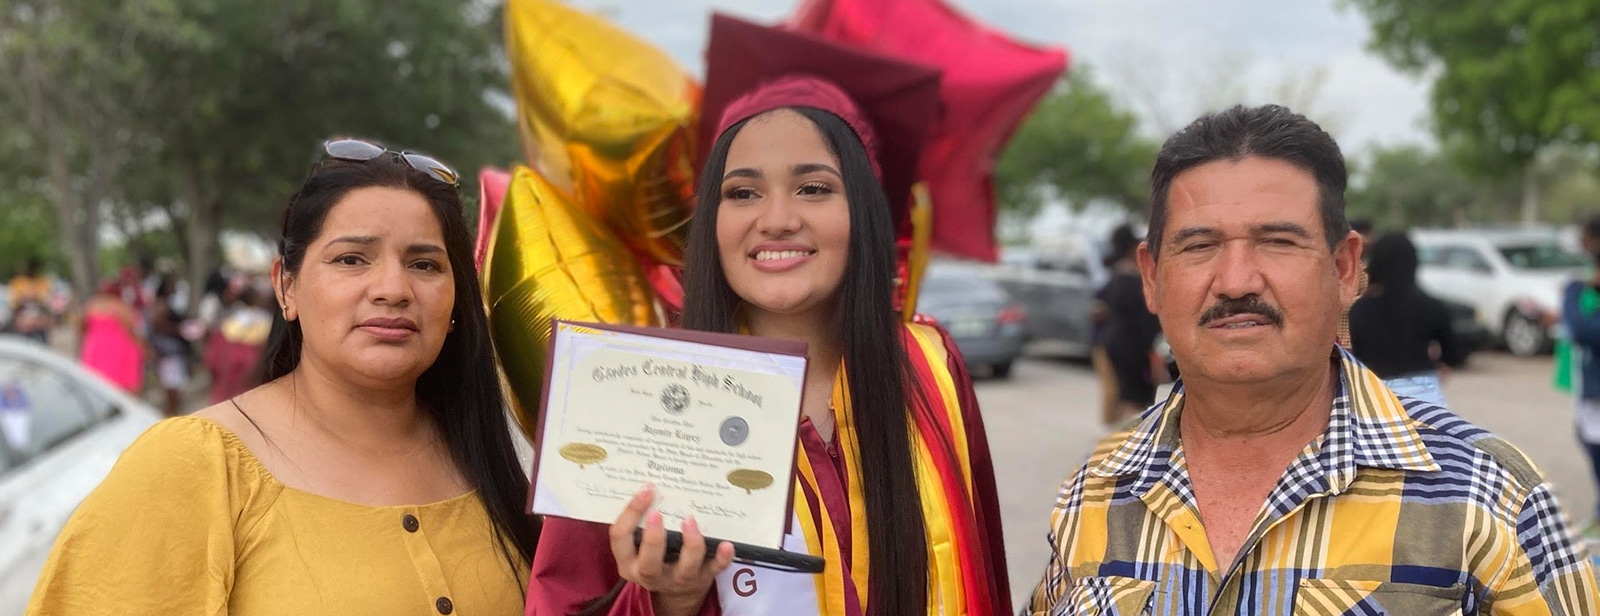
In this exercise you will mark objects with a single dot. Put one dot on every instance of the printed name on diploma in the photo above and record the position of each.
(678, 434)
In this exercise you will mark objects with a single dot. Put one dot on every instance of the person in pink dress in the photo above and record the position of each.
(111, 345)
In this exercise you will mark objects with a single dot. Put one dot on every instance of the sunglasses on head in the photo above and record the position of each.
(356, 150)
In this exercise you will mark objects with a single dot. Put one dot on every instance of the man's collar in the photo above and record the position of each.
(1367, 427)
(1383, 434)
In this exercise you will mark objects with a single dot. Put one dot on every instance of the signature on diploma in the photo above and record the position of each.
(595, 491)
(707, 509)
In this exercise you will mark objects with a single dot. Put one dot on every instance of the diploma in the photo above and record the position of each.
(709, 419)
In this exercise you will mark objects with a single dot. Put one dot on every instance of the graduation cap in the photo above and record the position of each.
(892, 104)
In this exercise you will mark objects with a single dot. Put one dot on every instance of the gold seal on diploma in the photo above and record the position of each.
(749, 479)
(583, 454)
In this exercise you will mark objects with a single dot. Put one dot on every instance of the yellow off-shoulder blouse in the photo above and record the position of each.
(190, 522)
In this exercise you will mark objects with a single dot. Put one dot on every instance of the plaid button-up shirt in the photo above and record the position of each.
(1399, 507)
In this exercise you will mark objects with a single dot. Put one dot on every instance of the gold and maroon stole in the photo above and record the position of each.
(959, 567)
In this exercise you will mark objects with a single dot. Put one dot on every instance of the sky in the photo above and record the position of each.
(1168, 60)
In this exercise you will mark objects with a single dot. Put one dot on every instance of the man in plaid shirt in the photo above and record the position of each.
(1282, 477)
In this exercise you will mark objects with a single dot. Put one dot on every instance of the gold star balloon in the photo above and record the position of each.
(609, 119)
(548, 259)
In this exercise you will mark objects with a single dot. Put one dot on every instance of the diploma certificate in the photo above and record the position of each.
(709, 419)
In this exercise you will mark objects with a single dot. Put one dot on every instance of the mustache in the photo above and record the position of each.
(1234, 306)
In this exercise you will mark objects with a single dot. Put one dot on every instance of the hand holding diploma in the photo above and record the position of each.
(675, 588)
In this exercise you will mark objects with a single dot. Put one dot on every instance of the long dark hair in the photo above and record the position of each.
(1392, 269)
(875, 359)
(461, 397)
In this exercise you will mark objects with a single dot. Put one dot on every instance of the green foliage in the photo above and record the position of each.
(160, 247)
(247, 105)
(27, 222)
(1080, 143)
(1571, 180)
(211, 111)
(27, 230)
(1512, 77)
(1409, 186)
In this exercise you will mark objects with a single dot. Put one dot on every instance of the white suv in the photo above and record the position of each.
(1510, 277)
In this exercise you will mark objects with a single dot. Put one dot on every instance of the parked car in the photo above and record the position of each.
(982, 318)
(1509, 277)
(1056, 289)
(63, 428)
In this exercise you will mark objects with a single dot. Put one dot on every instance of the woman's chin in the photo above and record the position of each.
(390, 365)
(784, 303)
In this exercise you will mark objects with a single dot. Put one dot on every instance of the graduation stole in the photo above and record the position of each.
(957, 584)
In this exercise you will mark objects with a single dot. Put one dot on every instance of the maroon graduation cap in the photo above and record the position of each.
(752, 68)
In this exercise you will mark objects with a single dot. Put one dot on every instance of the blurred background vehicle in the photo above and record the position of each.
(982, 318)
(1055, 286)
(63, 429)
(1508, 277)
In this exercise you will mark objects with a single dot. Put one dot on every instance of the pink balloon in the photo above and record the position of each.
(492, 185)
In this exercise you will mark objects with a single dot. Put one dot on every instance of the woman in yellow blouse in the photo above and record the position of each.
(373, 473)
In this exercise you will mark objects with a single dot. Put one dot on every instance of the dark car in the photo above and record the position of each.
(1056, 291)
(981, 317)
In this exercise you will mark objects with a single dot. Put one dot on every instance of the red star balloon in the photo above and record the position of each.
(990, 82)
(492, 185)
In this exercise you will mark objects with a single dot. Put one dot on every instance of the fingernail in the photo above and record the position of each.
(654, 520)
(690, 526)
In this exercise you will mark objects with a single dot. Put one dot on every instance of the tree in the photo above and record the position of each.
(71, 79)
(1168, 92)
(1409, 186)
(1511, 77)
(246, 110)
(1570, 181)
(211, 111)
(1080, 143)
(27, 216)
(27, 224)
